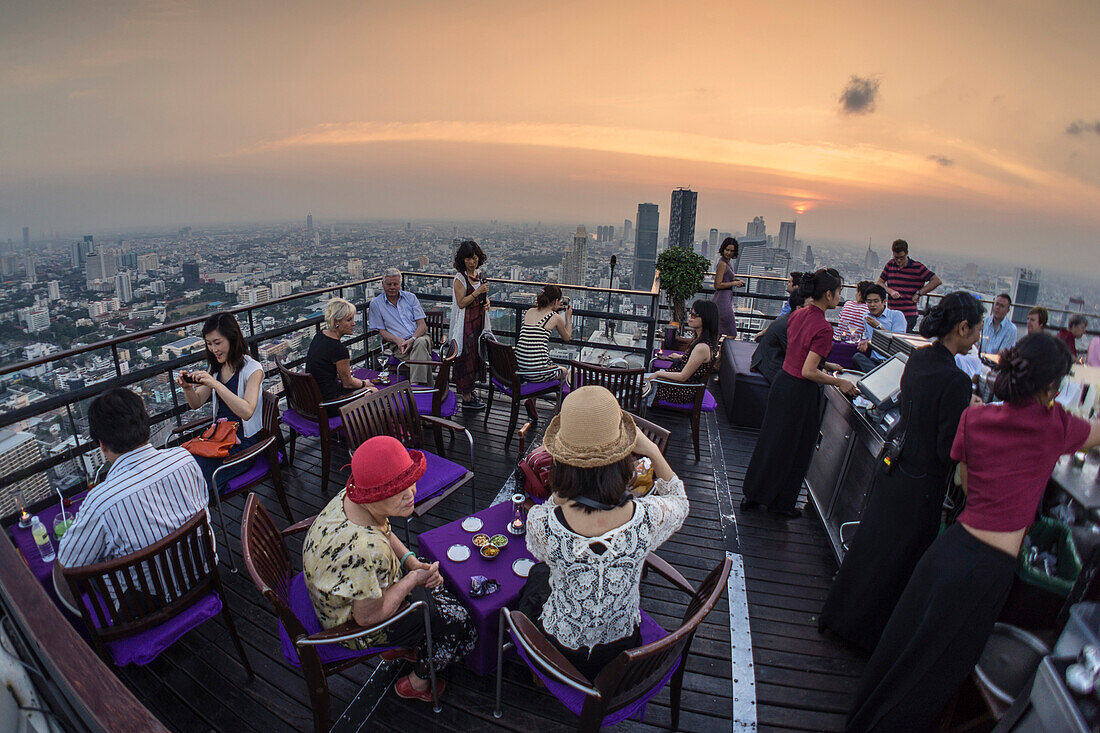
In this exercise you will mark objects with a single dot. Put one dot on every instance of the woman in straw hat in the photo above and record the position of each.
(593, 535)
(358, 571)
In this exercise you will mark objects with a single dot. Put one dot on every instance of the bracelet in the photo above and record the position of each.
(406, 557)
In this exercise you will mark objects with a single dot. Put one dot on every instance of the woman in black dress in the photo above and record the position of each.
(329, 361)
(786, 443)
(696, 361)
(903, 514)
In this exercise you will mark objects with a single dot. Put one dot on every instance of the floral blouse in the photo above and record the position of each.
(594, 596)
(346, 562)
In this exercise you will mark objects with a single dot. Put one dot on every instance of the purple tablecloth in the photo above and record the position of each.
(24, 541)
(484, 611)
(842, 354)
(371, 375)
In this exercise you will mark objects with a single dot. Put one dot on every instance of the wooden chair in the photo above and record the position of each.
(306, 415)
(393, 411)
(503, 377)
(660, 436)
(440, 399)
(703, 400)
(627, 384)
(318, 653)
(265, 459)
(162, 592)
(630, 680)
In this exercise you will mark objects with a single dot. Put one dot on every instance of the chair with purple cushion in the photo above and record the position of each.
(393, 411)
(317, 652)
(307, 415)
(622, 689)
(162, 592)
(703, 400)
(503, 377)
(440, 399)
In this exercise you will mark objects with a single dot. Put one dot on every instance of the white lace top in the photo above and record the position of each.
(594, 597)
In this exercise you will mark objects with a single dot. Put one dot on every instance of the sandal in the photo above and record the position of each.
(404, 689)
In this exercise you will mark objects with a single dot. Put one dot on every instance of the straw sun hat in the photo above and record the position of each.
(591, 430)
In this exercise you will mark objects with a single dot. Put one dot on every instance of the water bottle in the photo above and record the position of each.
(42, 539)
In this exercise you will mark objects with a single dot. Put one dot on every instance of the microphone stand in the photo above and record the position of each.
(610, 285)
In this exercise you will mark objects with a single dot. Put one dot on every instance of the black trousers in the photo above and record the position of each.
(897, 527)
(935, 636)
(589, 662)
(786, 443)
(453, 632)
(910, 323)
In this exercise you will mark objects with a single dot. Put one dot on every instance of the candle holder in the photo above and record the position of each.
(24, 518)
(518, 525)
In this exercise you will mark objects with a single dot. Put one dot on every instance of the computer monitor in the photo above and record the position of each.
(882, 384)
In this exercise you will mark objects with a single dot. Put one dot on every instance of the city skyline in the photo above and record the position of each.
(961, 128)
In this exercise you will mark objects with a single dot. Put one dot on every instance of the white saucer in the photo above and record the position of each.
(522, 567)
(472, 524)
(458, 553)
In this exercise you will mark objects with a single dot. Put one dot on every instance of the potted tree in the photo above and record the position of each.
(682, 271)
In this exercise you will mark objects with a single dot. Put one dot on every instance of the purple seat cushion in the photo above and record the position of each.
(144, 647)
(439, 474)
(574, 700)
(258, 470)
(526, 388)
(424, 403)
(302, 608)
(305, 426)
(709, 404)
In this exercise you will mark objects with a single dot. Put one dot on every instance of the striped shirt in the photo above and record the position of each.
(147, 495)
(851, 319)
(907, 281)
(533, 351)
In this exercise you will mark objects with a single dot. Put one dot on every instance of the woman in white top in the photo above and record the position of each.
(233, 382)
(593, 535)
(469, 305)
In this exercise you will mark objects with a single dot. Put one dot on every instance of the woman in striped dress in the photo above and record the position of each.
(533, 345)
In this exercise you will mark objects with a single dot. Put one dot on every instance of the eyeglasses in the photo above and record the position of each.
(692, 314)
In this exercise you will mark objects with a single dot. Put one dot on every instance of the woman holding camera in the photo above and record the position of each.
(233, 382)
(468, 307)
(786, 442)
(902, 516)
(533, 345)
(942, 621)
(593, 534)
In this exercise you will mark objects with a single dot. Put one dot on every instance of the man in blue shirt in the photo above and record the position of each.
(399, 319)
(878, 316)
(998, 333)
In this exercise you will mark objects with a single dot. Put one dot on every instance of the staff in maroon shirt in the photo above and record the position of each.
(906, 280)
(940, 626)
(786, 443)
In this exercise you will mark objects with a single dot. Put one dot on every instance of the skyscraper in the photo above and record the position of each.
(681, 219)
(123, 289)
(756, 228)
(645, 246)
(100, 266)
(53, 290)
(786, 236)
(714, 242)
(19, 451)
(309, 223)
(190, 274)
(29, 264)
(1025, 293)
(627, 225)
(26, 237)
(870, 260)
(574, 263)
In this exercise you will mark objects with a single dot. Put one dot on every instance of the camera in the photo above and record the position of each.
(186, 376)
(564, 304)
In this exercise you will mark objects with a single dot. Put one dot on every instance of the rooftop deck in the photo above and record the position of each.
(782, 675)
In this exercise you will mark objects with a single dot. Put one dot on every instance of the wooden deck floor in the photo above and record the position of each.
(802, 680)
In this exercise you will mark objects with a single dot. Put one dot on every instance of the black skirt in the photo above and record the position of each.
(935, 636)
(786, 443)
(899, 523)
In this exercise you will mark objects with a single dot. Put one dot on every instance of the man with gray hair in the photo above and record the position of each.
(399, 319)
(1074, 330)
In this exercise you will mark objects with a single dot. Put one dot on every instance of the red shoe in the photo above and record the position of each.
(404, 689)
(407, 655)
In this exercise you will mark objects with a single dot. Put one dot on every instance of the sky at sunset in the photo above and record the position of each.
(964, 127)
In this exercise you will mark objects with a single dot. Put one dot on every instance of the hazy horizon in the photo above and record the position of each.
(961, 129)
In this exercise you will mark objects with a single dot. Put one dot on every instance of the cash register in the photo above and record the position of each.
(882, 388)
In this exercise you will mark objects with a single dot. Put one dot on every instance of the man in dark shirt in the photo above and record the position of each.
(906, 280)
(772, 342)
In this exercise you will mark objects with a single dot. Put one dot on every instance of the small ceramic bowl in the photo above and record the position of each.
(499, 541)
(490, 552)
(480, 540)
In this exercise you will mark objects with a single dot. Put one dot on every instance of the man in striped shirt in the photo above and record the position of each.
(906, 280)
(147, 494)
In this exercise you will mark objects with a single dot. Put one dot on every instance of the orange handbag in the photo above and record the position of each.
(215, 441)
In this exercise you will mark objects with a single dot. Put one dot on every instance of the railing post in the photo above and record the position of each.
(76, 441)
(114, 354)
(175, 399)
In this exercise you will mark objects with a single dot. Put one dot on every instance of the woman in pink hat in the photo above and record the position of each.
(357, 570)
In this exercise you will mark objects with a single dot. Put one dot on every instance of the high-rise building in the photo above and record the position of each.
(89, 244)
(148, 262)
(355, 268)
(281, 288)
(309, 223)
(714, 242)
(100, 266)
(185, 234)
(574, 263)
(786, 236)
(761, 286)
(123, 288)
(26, 237)
(751, 251)
(681, 219)
(191, 275)
(808, 258)
(157, 287)
(29, 265)
(645, 246)
(53, 290)
(627, 229)
(19, 451)
(36, 318)
(1025, 293)
(703, 248)
(756, 228)
(870, 261)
